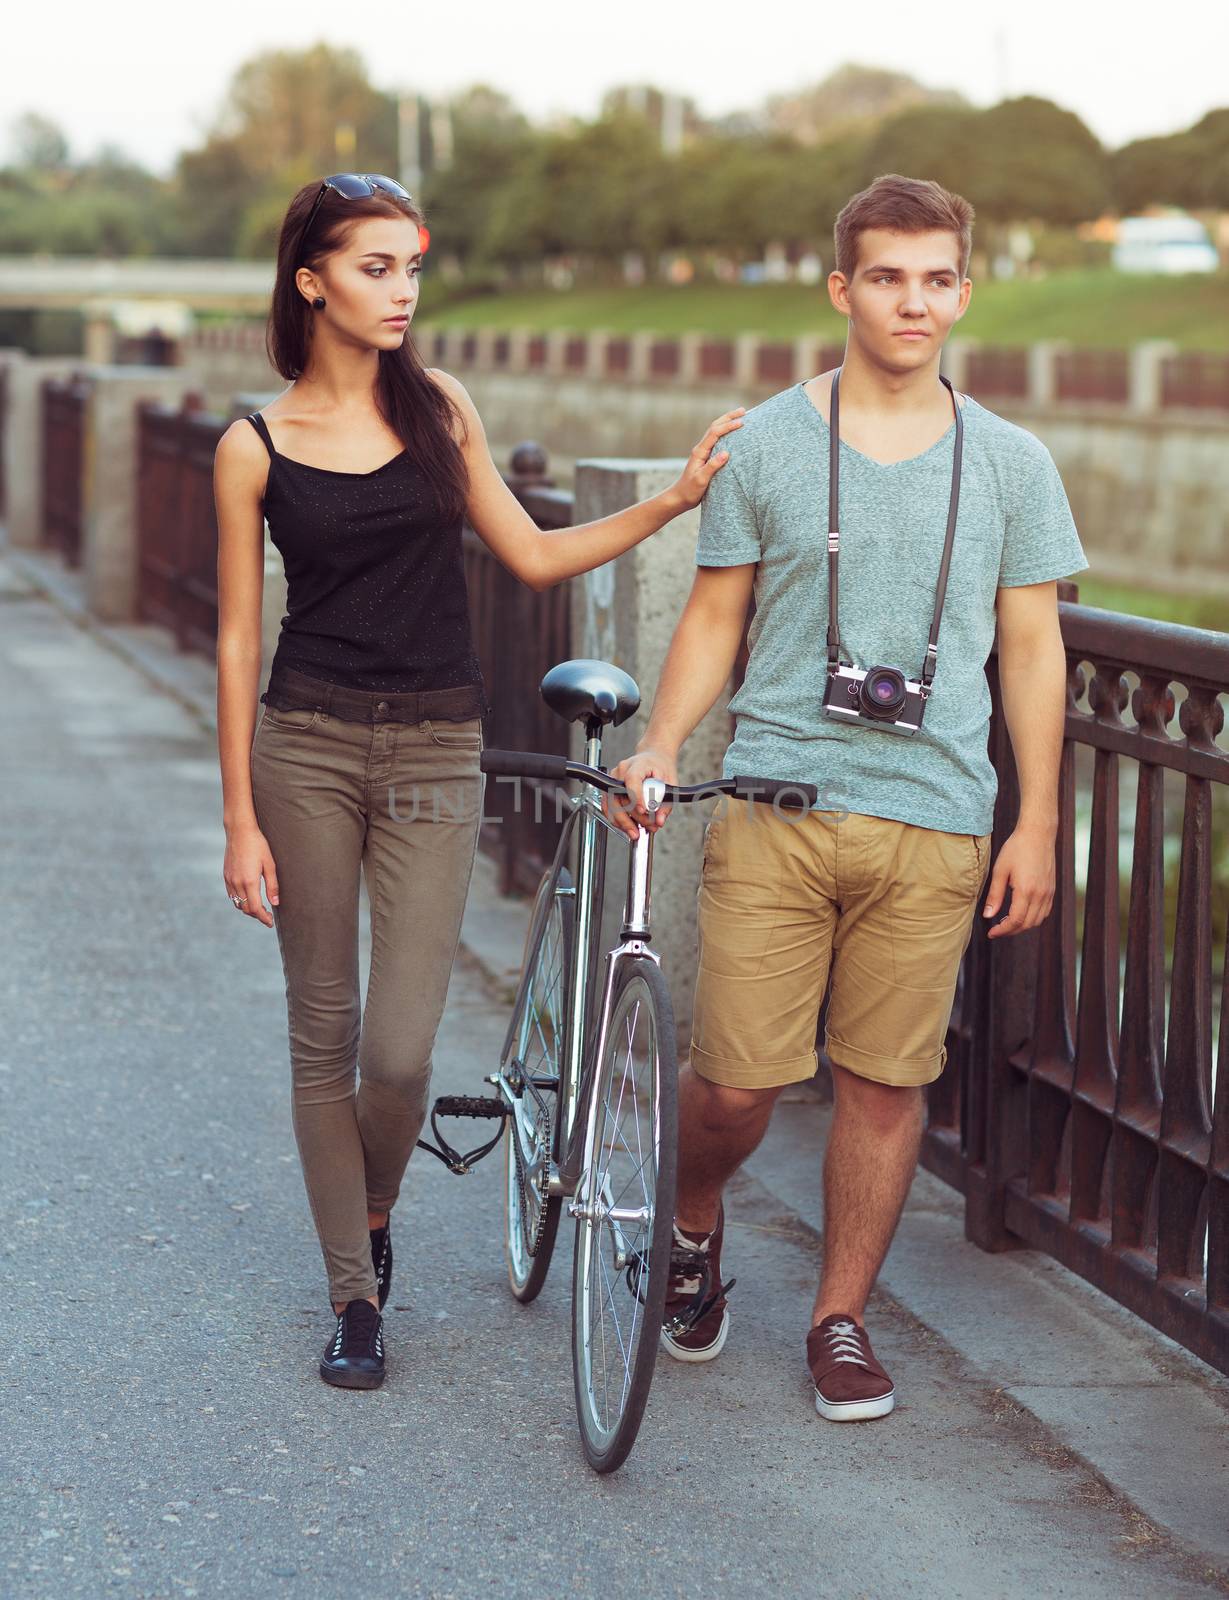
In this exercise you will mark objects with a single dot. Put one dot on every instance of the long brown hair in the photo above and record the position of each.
(415, 408)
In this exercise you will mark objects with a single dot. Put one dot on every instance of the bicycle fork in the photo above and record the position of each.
(633, 946)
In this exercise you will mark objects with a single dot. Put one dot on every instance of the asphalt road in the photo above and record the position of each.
(165, 1430)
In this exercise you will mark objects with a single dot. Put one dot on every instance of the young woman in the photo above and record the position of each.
(366, 468)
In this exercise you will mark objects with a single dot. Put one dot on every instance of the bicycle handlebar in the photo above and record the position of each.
(527, 764)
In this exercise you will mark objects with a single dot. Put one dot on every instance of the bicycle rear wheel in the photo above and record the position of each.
(625, 1216)
(534, 1053)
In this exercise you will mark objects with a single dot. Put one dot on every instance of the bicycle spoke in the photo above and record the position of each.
(535, 1051)
(623, 1347)
(639, 1156)
(615, 1281)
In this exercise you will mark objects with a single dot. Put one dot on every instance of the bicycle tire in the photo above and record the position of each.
(550, 937)
(640, 1006)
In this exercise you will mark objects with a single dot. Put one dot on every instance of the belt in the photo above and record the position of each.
(290, 690)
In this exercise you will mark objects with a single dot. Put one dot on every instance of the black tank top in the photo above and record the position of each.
(375, 581)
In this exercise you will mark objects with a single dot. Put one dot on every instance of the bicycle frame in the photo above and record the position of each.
(579, 1065)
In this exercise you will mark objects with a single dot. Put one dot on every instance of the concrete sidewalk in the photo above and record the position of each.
(1044, 1380)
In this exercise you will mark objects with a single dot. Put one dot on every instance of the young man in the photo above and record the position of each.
(881, 879)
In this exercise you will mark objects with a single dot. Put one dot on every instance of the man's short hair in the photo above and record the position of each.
(902, 205)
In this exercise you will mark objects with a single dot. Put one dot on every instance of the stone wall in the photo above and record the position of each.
(1150, 492)
(1149, 486)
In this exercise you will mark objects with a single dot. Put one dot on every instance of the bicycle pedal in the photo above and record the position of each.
(469, 1105)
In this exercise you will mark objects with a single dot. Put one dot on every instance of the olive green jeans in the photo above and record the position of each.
(399, 802)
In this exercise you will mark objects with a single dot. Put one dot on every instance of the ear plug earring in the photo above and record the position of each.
(318, 302)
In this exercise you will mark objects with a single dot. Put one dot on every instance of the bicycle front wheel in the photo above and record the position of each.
(625, 1216)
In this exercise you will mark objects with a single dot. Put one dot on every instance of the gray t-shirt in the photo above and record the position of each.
(769, 504)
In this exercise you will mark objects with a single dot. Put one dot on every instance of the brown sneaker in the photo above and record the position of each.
(850, 1385)
(696, 1320)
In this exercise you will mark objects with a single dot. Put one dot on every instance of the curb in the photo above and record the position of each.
(145, 646)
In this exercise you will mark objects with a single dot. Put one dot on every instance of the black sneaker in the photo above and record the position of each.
(382, 1261)
(354, 1359)
(696, 1319)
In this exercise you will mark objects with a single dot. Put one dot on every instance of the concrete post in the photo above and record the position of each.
(518, 351)
(99, 336)
(23, 442)
(1043, 371)
(806, 357)
(595, 357)
(689, 357)
(454, 343)
(625, 612)
(556, 353)
(746, 352)
(641, 358)
(955, 362)
(1144, 374)
(484, 350)
(109, 481)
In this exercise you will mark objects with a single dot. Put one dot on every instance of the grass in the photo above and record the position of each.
(1093, 309)
(1193, 611)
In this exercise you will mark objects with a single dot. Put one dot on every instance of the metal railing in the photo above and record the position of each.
(1100, 1140)
(177, 535)
(1092, 375)
(64, 402)
(1196, 380)
(1001, 373)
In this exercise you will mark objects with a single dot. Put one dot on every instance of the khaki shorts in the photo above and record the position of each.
(785, 894)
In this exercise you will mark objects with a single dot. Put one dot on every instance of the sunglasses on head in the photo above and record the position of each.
(352, 186)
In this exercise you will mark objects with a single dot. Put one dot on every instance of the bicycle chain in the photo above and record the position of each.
(544, 1136)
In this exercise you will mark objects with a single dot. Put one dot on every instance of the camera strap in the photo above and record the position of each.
(834, 534)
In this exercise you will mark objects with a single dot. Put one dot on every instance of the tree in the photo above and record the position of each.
(291, 109)
(492, 144)
(595, 191)
(739, 195)
(927, 143)
(212, 187)
(853, 99)
(288, 116)
(1038, 161)
(37, 144)
(1022, 159)
(1184, 169)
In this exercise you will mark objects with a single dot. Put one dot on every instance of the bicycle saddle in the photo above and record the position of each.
(590, 691)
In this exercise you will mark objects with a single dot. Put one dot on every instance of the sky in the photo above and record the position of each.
(151, 77)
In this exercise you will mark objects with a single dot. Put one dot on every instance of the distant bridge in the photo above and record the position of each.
(133, 296)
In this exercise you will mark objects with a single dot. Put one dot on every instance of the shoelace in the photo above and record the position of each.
(339, 1340)
(691, 1273)
(845, 1342)
(383, 1261)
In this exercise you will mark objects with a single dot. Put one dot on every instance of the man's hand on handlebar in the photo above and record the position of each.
(632, 814)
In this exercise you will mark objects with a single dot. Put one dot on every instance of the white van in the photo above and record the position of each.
(1175, 243)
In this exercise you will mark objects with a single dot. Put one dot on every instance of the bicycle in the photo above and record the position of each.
(586, 1084)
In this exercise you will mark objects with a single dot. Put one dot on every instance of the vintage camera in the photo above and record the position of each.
(882, 697)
